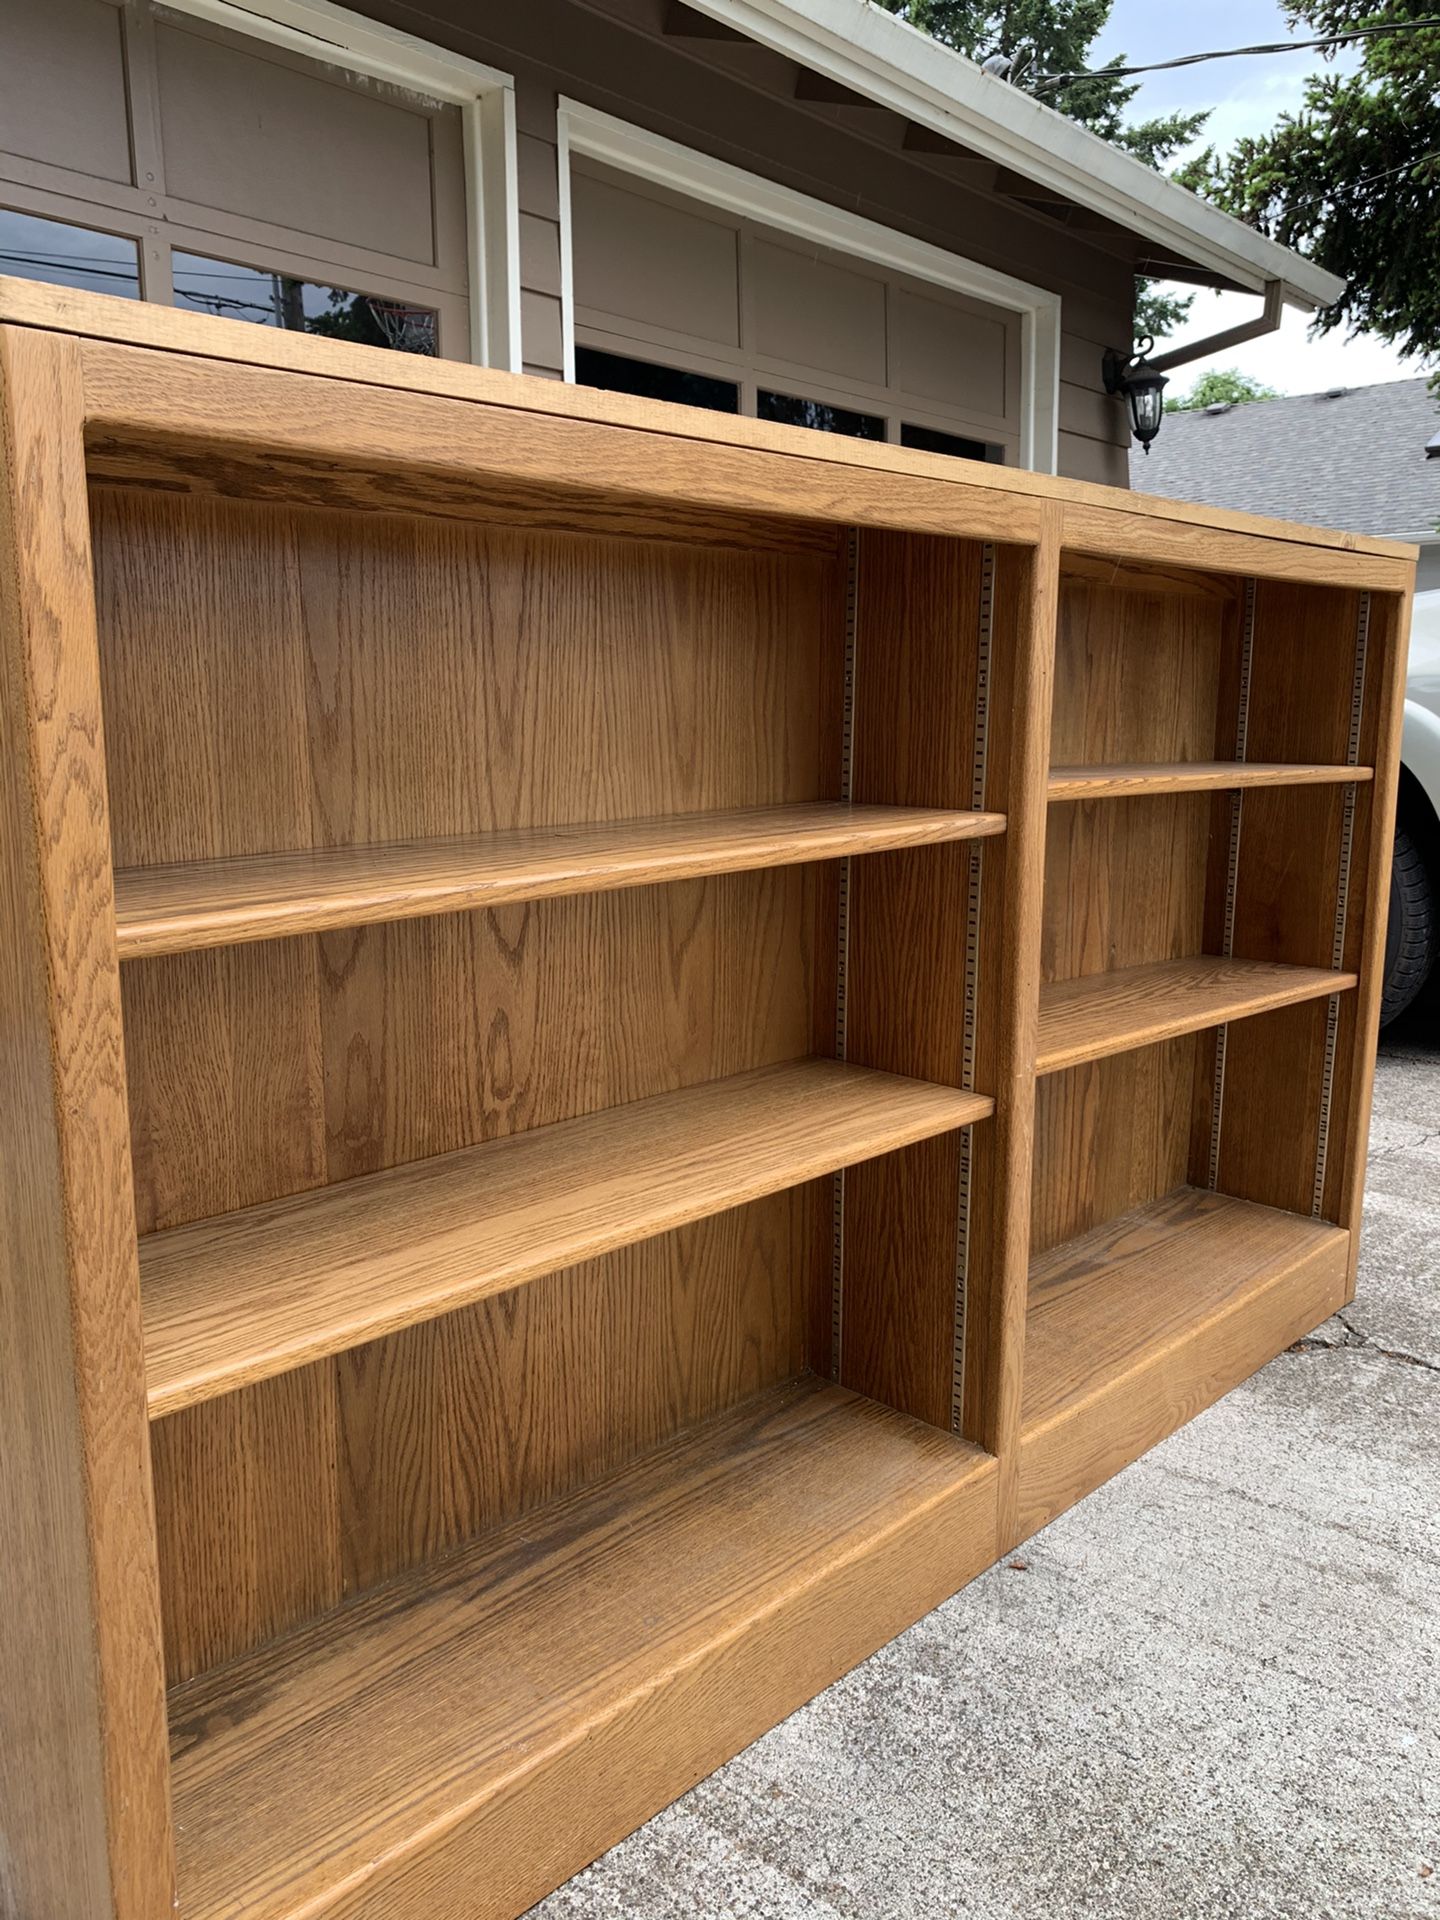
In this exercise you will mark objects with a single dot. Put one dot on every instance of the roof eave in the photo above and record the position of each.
(885, 59)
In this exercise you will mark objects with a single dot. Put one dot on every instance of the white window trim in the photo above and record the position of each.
(630, 149)
(486, 99)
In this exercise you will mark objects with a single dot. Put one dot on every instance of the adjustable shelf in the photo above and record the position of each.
(321, 1770)
(431, 1225)
(1104, 1013)
(252, 1294)
(1193, 776)
(209, 903)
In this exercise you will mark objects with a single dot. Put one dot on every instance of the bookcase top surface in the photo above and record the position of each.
(106, 318)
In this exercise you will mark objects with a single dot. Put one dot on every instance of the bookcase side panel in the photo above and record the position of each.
(84, 1790)
(1344, 1187)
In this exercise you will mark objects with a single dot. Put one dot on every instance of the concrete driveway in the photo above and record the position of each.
(1212, 1690)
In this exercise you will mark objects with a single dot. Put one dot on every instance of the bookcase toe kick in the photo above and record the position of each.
(494, 1722)
(1140, 1325)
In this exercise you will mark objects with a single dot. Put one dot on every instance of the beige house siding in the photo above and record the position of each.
(621, 62)
(382, 206)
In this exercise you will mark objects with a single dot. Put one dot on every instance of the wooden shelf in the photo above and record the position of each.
(1105, 1013)
(1193, 776)
(403, 1733)
(247, 1295)
(1106, 1304)
(170, 909)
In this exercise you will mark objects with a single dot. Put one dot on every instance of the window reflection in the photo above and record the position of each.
(794, 412)
(303, 306)
(617, 373)
(931, 440)
(33, 248)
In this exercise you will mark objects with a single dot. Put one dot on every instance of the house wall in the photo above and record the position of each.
(735, 101)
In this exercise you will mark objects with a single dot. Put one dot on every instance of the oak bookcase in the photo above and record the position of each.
(632, 1043)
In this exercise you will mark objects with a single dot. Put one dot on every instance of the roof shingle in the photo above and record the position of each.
(1353, 459)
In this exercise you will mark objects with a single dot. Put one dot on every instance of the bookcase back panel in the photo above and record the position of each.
(1287, 873)
(269, 1068)
(280, 1501)
(1270, 1119)
(1302, 673)
(1113, 1134)
(1125, 882)
(278, 678)
(1137, 672)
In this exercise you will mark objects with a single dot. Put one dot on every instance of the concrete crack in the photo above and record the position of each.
(1356, 1340)
(1406, 1146)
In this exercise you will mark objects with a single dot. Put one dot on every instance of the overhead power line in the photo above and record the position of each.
(1338, 39)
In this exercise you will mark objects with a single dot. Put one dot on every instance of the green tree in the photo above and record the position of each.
(1353, 177)
(1222, 387)
(1047, 37)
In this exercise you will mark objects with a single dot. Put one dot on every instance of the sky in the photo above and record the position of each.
(1245, 95)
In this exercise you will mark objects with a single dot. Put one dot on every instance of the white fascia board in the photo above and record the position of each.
(894, 64)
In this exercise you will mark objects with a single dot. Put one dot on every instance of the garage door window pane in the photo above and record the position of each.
(617, 373)
(303, 306)
(794, 412)
(64, 256)
(931, 440)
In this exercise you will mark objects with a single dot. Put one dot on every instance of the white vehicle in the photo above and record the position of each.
(1412, 937)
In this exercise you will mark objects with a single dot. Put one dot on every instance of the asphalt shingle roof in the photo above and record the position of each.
(1353, 460)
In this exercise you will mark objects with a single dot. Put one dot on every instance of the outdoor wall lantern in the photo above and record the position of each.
(1141, 385)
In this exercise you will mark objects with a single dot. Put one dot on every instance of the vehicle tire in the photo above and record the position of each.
(1412, 932)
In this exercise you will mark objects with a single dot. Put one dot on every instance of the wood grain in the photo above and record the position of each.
(1135, 674)
(1288, 883)
(1135, 528)
(268, 679)
(1114, 1134)
(175, 909)
(1111, 1012)
(84, 1793)
(915, 675)
(281, 1500)
(1195, 776)
(1009, 974)
(267, 1069)
(237, 1299)
(1105, 1302)
(1365, 932)
(1124, 886)
(371, 1764)
(375, 451)
(393, 658)
(1140, 1325)
(102, 320)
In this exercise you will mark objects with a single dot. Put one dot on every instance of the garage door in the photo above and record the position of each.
(145, 153)
(686, 302)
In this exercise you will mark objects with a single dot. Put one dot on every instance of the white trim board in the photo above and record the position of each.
(887, 60)
(649, 156)
(486, 99)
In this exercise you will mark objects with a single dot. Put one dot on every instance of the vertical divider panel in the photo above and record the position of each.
(1231, 872)
(949, 630)
(1023, 661)
(912, 737)
(84, 1780)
